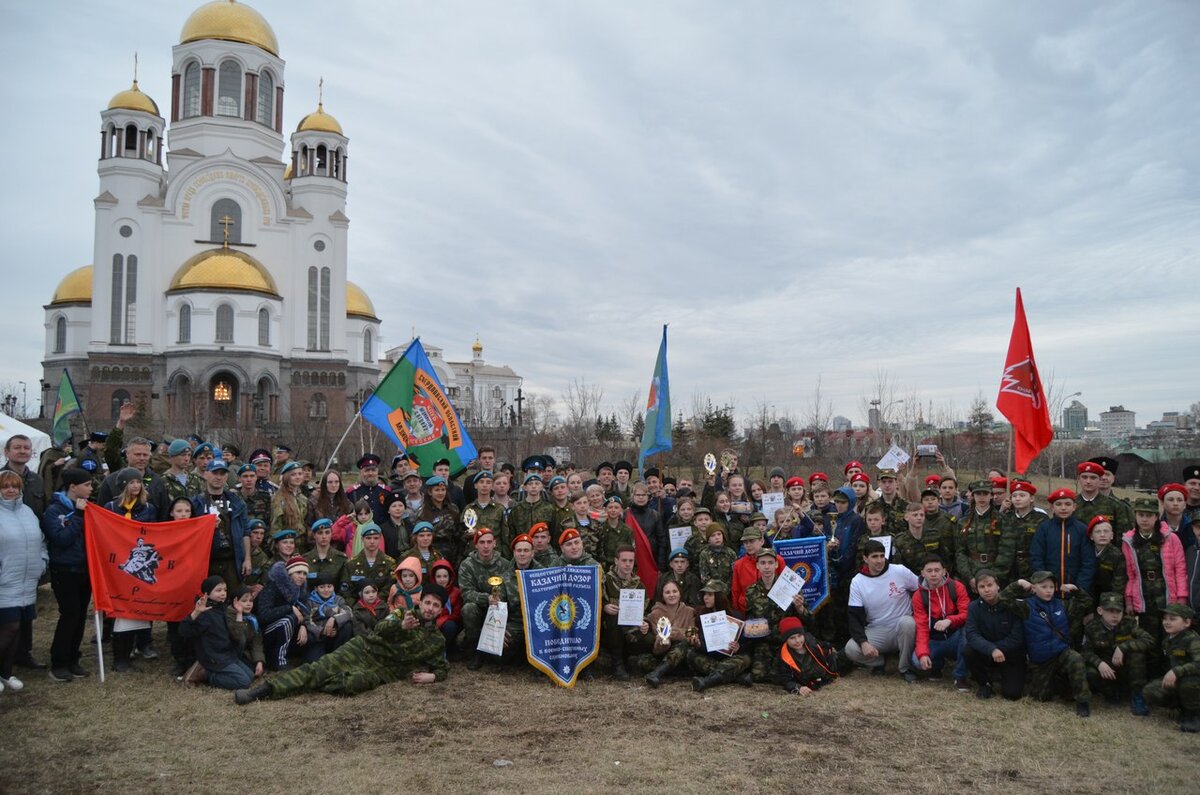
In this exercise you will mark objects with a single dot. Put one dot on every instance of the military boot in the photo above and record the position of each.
(1137, 705)
(619, 671)
(258, 691)
(1189, 721)
(654, 678)
(700, 684)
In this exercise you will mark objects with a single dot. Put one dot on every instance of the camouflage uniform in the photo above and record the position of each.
(473, 577)
(522, 516)
(946, 527)
(911, 551)
(1099, 643)
(893, 515)
(1044, 677)
(490, 516)
(170, 489)
(258, 505)
(1016, 534)
(1154, 586)
(1105, 505)
(334, 564)
(979, 538)
(763, 651)
(689, 586)
(446, 537)
(715, 563)
(378, 573)
(547, 559)
(1182, 655)
(259, 563)
(609, 537)
(1110, 571)
(389, 654)
(280, 505)
(617, 640)
(563, 518)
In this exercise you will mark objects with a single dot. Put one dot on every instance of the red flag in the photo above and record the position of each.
(1021, 397)
(647, 569)
(146, 570)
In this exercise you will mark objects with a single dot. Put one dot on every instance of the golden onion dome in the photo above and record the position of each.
(287, 172)
(134, 99)
(358, 304)
(228, 20)
(319, 121)
(478, 346)
(224, 269)
(75, 288)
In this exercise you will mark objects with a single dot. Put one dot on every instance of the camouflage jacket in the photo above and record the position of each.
(1099, 642)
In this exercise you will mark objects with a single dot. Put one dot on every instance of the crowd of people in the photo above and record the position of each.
(316, 584)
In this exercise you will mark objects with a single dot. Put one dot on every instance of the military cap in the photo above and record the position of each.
(289, 466)
(191, 437)
(613, 498)
(1025, 486)
(441, 462)
(933, 480)
(1170, 487)
(201, 449)
(178, 447)
(1061, 494)
(1191, 472)
(567, 535)
(758, 516)
(1000, 483)
(764, 553)
(1107, 463)
(1098, 520)
(548, 461)
(389, 497)
(398, 457)
(1145, 505)
(1181, 610)
(654, 472)
(321, 523)
(480, 533)
(531, 463)
(602, 466)
(280, 447)
(412, 473)
(244, 468)
(260, 454)
(539, 527)
(980, 486)
(422, 527)
(531, 476)
(368, 461)
(231, 448)
(325, 578)
(436, 591)
(713, 586)
(860, 477)
(752, 534)
(554, 481)
(885, 474)
(930, 493)
(98, 436)
(253, 523)
(814, 477)
(1089, 468)
(702, 510)
(1042, 576)
(679, 552)
(852, 465)
(436, 480)
(282, 534)
(481, 474)
(74, 476)
(370, 529)
(522, 537)
(794, 481)
(1111, 601)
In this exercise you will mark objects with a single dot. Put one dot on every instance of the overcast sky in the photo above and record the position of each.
(799, 189)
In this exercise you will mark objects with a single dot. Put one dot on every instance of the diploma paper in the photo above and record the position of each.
(491, 636)
(771, 503)
(679, 537)
(894, 458)
(633, 607)
(887, 545)
(718, 632)
(787, 584)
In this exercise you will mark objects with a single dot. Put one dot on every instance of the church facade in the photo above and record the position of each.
(218, 298)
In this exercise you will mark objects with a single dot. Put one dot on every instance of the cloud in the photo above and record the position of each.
(799, 190)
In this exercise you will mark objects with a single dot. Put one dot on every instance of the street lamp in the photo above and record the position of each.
(24, 400)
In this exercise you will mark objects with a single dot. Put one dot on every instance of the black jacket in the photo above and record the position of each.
(991, 627)
(210, 638)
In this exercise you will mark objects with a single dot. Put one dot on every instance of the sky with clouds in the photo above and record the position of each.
(801, 190)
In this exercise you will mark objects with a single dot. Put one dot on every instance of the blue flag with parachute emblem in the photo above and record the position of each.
(656, 437)
(806, 557)
(560, 607)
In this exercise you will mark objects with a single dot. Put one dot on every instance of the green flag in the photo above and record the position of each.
(66, 406)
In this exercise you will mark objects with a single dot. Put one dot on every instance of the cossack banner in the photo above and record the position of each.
(806, 557)
(147, 571)
(561, 611)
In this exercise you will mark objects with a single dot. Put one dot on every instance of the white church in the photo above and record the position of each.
(218, 298)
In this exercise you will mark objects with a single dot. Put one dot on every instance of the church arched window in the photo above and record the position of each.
(314, 296)
(60, 334)
(264, 326)
(368, 346)
(318, 409)
(191, 90)
(229, 88)
(223, 209)
(224, 323)
(322, 160)
(318, 309)
(325, 308)
(124, 300)
(185, 323)
(266, 99)
(131, 139)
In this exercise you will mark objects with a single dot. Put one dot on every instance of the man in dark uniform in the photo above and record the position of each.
(260, 459)
(369, 488)
(230, 557)
(1107, 478)
(91, 460)
(1191, 480)
(1091, 503)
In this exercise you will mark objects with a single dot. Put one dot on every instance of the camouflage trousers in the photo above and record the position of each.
(762, 659)
(1046, 679)
(1131, 677)
(676, 656)
(706, 664)
(346, 671)
(1185, 694)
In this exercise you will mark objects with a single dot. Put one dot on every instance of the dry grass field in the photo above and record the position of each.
(144, 733)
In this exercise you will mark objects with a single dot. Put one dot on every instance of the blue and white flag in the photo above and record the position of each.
(656, 437)
(561, 611)
(806, 557)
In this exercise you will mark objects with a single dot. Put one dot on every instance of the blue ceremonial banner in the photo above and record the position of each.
(656, 437)
(806, 557)
(561, 611)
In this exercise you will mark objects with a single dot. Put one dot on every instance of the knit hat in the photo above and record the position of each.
(297, 563)
(211, 582)
(77, 477)
(790, 626)
(124, 476)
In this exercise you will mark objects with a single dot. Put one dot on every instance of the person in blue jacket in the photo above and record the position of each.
(62, 524)
(1060, 545)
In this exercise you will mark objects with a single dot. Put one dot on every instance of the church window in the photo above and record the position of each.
(60, 334)
(497, 392)
(318, 309)
(185, 323)
(264, 326)
(322, 159)
(229, 89)
(325, 308)
(124, 300)
(131, 138)
(266, 99)
(318, 409)
(313, 300)
(368, 346)
(191, 90)
(224, 209)
(224, 323)
(119, 398)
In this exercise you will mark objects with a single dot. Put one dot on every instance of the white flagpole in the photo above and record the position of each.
(333, 455)
(100, 643)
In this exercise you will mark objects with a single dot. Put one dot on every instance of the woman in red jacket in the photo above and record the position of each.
(449, 621)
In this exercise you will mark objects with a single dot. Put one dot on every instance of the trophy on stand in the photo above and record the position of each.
(469, 520)
(663, 630)
(728, 460)
(710, 463)
(497, 584)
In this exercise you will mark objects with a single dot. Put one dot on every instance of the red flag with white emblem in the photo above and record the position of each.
(1022, 399)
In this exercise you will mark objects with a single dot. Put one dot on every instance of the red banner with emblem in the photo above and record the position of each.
(147, 571)
(1022, 399)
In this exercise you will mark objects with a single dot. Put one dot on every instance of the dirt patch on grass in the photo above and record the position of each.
(142, 732)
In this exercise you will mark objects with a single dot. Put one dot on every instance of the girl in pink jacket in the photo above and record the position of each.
(1156, 567)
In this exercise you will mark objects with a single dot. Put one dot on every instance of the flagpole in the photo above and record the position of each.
(1008, 471)
(333, 455)
(99, 615)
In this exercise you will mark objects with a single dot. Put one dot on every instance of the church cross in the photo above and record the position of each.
(226, 222)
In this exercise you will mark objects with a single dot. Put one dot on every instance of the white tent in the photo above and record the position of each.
(10, 427)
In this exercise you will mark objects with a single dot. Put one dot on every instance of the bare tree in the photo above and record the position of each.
(817, 414)
(630, 409)
(581, 402)
(881, 396)
(540, 416)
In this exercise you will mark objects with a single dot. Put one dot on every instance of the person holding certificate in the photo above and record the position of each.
(717, 666)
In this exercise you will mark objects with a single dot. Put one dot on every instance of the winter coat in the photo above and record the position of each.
(23, 555)
(1061, 546)
(210, 639)
(929, 606)
(278, 596)
(651, 523)
(452, 610)
(63, 527)
(1174, 571)
(991, 627)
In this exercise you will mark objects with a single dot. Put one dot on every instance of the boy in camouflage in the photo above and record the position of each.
(1047, 637)
(1180, 686)
(1114, 653)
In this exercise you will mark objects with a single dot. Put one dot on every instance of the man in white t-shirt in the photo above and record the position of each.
(880, 613)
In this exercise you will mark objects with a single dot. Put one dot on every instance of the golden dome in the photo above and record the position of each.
(75, 288)
(319, 121)
(229, 21)
(134, 99)
(358, 304)
(224, 269)
(287, 172)
(478, 346)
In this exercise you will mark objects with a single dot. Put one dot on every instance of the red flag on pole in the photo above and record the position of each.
(647, 569)
(1022, 399)
(145, 570)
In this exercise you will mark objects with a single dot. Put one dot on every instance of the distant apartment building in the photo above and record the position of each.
(1075, 419)
(1116, 424)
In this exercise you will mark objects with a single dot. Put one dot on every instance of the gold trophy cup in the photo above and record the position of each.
(497, 583)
